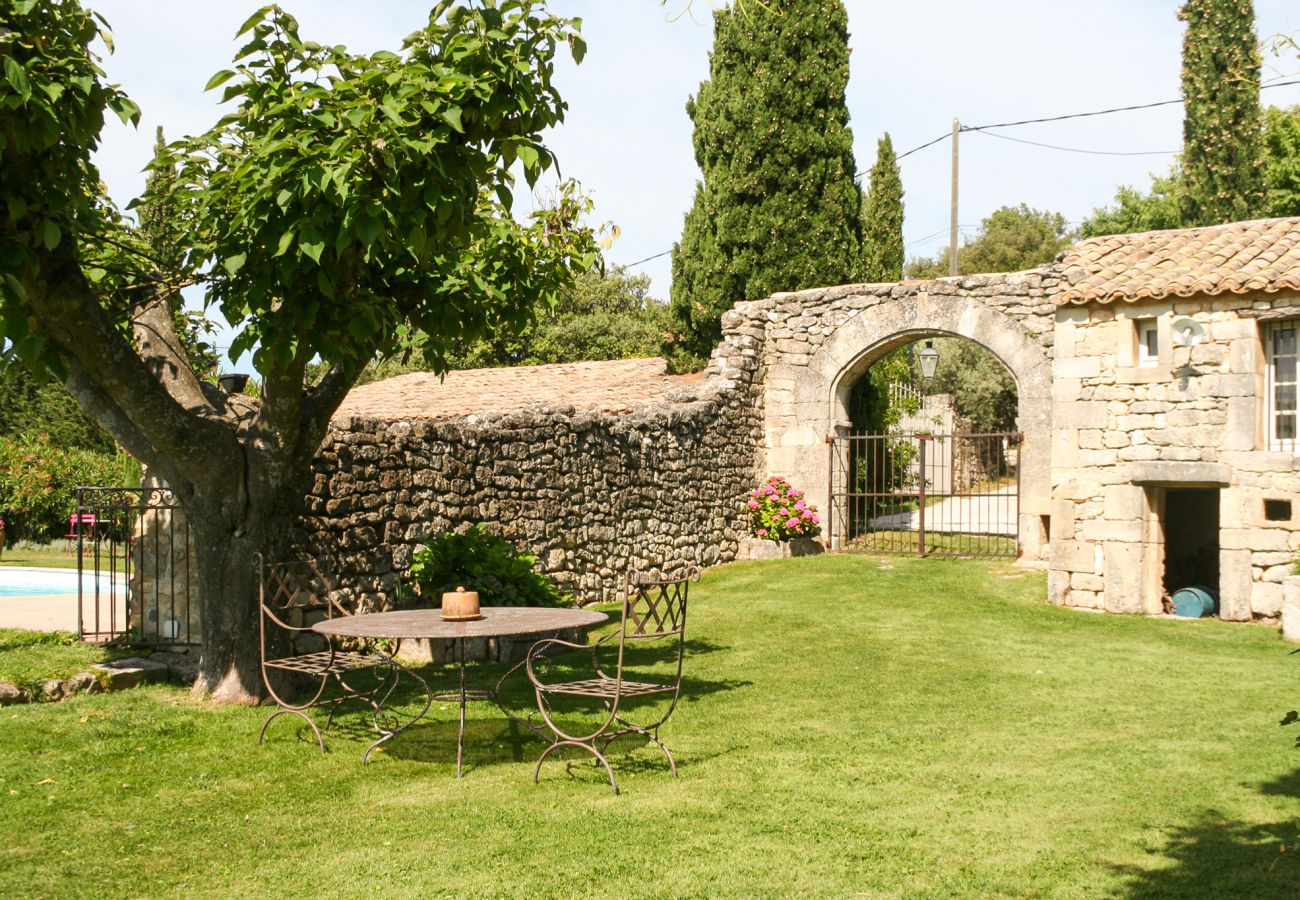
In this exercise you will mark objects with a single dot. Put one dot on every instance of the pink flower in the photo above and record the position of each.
(775, 479)
(762, 532)
(756, 494)
(769, 490)
(783, 512)
(807, 514)
(794, 493)
(793, 523)
(815, 520)
(801, 506)
(753, 504)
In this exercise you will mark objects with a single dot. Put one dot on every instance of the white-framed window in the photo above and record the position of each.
(1280, 344)
(1148, 336)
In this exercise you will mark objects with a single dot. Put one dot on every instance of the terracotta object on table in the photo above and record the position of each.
(460, 605)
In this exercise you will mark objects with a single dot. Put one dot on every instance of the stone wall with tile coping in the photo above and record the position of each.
(590, 493)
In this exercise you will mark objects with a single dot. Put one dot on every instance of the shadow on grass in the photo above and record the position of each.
(1217, 857)
(491, 738)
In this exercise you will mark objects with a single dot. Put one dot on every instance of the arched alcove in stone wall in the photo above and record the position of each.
(819, 342)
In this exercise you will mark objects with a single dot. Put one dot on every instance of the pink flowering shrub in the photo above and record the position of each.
(778, 512)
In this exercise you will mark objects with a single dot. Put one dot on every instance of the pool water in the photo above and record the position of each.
(23, 582)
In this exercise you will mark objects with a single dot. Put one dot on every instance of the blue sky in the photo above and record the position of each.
(628, 140)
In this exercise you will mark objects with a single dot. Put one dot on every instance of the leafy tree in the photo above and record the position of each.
(1282, 161)
(778, 208)
(342, 199)
(982, 388)
(1162, 206)
(31, 408)
(1134, 212)
(599, 316)
(1011, 239)
(883, 218)
(1223, 151)
(159, 227)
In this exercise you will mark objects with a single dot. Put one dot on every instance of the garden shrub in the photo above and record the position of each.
(479, 560)
(38, 481)
(778, 512)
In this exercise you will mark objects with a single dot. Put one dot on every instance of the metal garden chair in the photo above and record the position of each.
(653, 610)
(290, 594)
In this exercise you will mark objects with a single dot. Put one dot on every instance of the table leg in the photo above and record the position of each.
(460, 733)
(386, 733)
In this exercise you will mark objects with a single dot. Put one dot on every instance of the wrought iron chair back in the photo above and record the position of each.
(287, 593)
(654, 609)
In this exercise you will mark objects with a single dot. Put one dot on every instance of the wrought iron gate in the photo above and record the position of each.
(134, 566)
(926, 494)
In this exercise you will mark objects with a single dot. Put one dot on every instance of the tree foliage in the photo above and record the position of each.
(342, 201)
(1010, 239)
(31, 407)
(1162, 206)
(981, 386)
(882, 237)
(777, 208)
(1223, 151)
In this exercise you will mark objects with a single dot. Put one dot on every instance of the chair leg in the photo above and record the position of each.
(590, 748)
(651, 734)
(291, 712)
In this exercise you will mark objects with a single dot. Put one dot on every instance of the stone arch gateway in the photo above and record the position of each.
(817, 342)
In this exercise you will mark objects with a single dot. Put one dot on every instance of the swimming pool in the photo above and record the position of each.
(23, 582)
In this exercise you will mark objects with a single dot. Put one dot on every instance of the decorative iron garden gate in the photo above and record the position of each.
(134, 566)
(926, 494)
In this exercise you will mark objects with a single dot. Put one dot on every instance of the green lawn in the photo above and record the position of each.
(30, 658)
(923, 728)
(56, 556)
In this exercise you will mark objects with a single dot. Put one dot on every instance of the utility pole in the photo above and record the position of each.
(952, 236)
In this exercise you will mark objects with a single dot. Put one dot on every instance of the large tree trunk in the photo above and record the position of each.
(229, 669)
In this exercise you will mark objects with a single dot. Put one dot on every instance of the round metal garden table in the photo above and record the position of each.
(428, 624)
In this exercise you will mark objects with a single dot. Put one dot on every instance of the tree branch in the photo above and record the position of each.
(165, 356)
(82, 331)
(322, 401)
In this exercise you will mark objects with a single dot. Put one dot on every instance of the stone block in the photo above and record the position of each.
(1074, 556)
(11, 694)
(1125, 501)
(1076, 367)
(1128, 531)
(1062, 520)
(1058, 586)
(1083, 414)
(1123, 576)
(1235, 585)
(1291, 608)
(1266, 598)
(1085, 582)
(1179, 473)
(1065, 448)
(1098, 459)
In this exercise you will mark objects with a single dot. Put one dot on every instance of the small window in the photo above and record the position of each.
(1148, 343)
(1281, 389)
(1277, 510)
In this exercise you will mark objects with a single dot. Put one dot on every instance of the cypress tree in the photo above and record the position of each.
(1223, 147)
(883, 219)
(778, 208)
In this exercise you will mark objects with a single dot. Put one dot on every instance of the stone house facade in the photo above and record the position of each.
(1174, 418)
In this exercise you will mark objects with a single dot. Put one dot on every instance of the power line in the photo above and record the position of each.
(647, 259)
(1007, 137)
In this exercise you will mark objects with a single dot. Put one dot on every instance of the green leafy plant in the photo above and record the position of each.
(479, 560)
(38, 481)
(778, 511)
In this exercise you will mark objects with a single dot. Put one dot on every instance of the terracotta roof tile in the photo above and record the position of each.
(1236, 258)
(616, 386)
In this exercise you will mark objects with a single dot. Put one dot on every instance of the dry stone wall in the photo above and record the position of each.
(590, 493)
